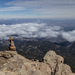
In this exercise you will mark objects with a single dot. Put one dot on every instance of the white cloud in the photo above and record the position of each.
(13, 8)
(42, 3)
(70, 36)
(47, 8)
(35, 30)
(29, 30)
(40, 9)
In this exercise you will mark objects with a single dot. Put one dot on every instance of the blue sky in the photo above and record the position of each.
(61, 9)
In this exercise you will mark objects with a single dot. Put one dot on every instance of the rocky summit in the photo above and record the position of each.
(11, 63)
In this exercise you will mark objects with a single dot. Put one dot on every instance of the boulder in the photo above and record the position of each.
(18, 65)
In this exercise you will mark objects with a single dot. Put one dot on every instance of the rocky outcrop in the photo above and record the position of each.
(18, 65)
(56, 64)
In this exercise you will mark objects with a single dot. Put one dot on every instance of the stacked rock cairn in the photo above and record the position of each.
(11, 45)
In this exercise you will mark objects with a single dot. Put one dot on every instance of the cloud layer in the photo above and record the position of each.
(29, 30)
(69, 36)
(35, 30)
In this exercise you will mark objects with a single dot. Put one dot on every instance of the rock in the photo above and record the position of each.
(7, 54)
(11, 45)
(18, 65)
(56, 64)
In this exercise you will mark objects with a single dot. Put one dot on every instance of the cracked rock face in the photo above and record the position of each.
(18, 65)
(56, 64)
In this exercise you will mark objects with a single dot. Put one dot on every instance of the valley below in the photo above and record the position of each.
(35, 49)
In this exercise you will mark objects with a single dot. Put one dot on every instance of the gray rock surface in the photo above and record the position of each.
(16, 64)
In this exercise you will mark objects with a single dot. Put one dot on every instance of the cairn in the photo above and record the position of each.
(11, 45)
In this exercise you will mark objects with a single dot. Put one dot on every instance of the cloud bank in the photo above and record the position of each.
(35, 30)
(29, 30)
(69, 36)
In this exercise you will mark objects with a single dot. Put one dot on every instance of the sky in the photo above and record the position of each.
(61, 9)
